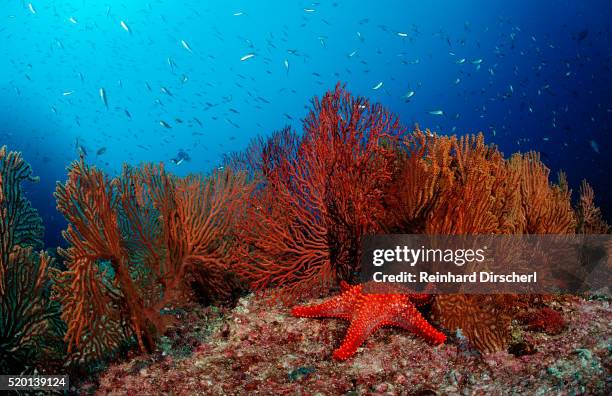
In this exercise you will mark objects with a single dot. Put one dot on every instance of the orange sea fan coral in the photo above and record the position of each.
(484, 320)
(589, 218)
(445, 185)
(449, 185)
(134, 243)
(546, 208)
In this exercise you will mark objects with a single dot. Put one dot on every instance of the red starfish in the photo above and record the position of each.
(368, 312)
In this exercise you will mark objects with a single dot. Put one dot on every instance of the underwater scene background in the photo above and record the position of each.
(186, 185)
(535, 76)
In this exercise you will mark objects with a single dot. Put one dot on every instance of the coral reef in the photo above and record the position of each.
(30, 329)
(356, 170)
(149, 253)
(137, 245)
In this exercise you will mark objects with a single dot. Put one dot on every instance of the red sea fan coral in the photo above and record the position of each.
(545, 319)
(305, 224)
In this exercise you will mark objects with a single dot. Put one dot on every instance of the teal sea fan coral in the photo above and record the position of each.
(30, 327)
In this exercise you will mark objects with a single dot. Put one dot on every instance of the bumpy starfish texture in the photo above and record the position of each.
(368, 312)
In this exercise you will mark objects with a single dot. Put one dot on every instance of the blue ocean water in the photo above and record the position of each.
(133, 81)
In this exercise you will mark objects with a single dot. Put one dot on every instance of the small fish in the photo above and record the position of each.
(81, 150)
(246, 57)
(408, 95)
(73, 20)
(101, 151)
(476, 61)
(238, 13)
(125, 27)
(436, 112)
(103, 97)
(186, 46)
(352, 54)
(286, 63)
(377, 86)
(165, 124)
(460, 61)
(67, 93)
(166, 91)
(309, 10)
(171, 63)
(594, 146)
(582, 35)
(402, 34)
(31, 8)
(457, 81)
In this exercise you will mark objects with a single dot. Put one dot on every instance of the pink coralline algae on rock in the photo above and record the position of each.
(256, 348)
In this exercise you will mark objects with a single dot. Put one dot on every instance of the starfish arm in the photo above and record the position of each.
(338, 307)
(371, 313)
(410, 318)
(364, 323)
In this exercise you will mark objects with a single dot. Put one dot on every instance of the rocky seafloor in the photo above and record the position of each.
(256, 348)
